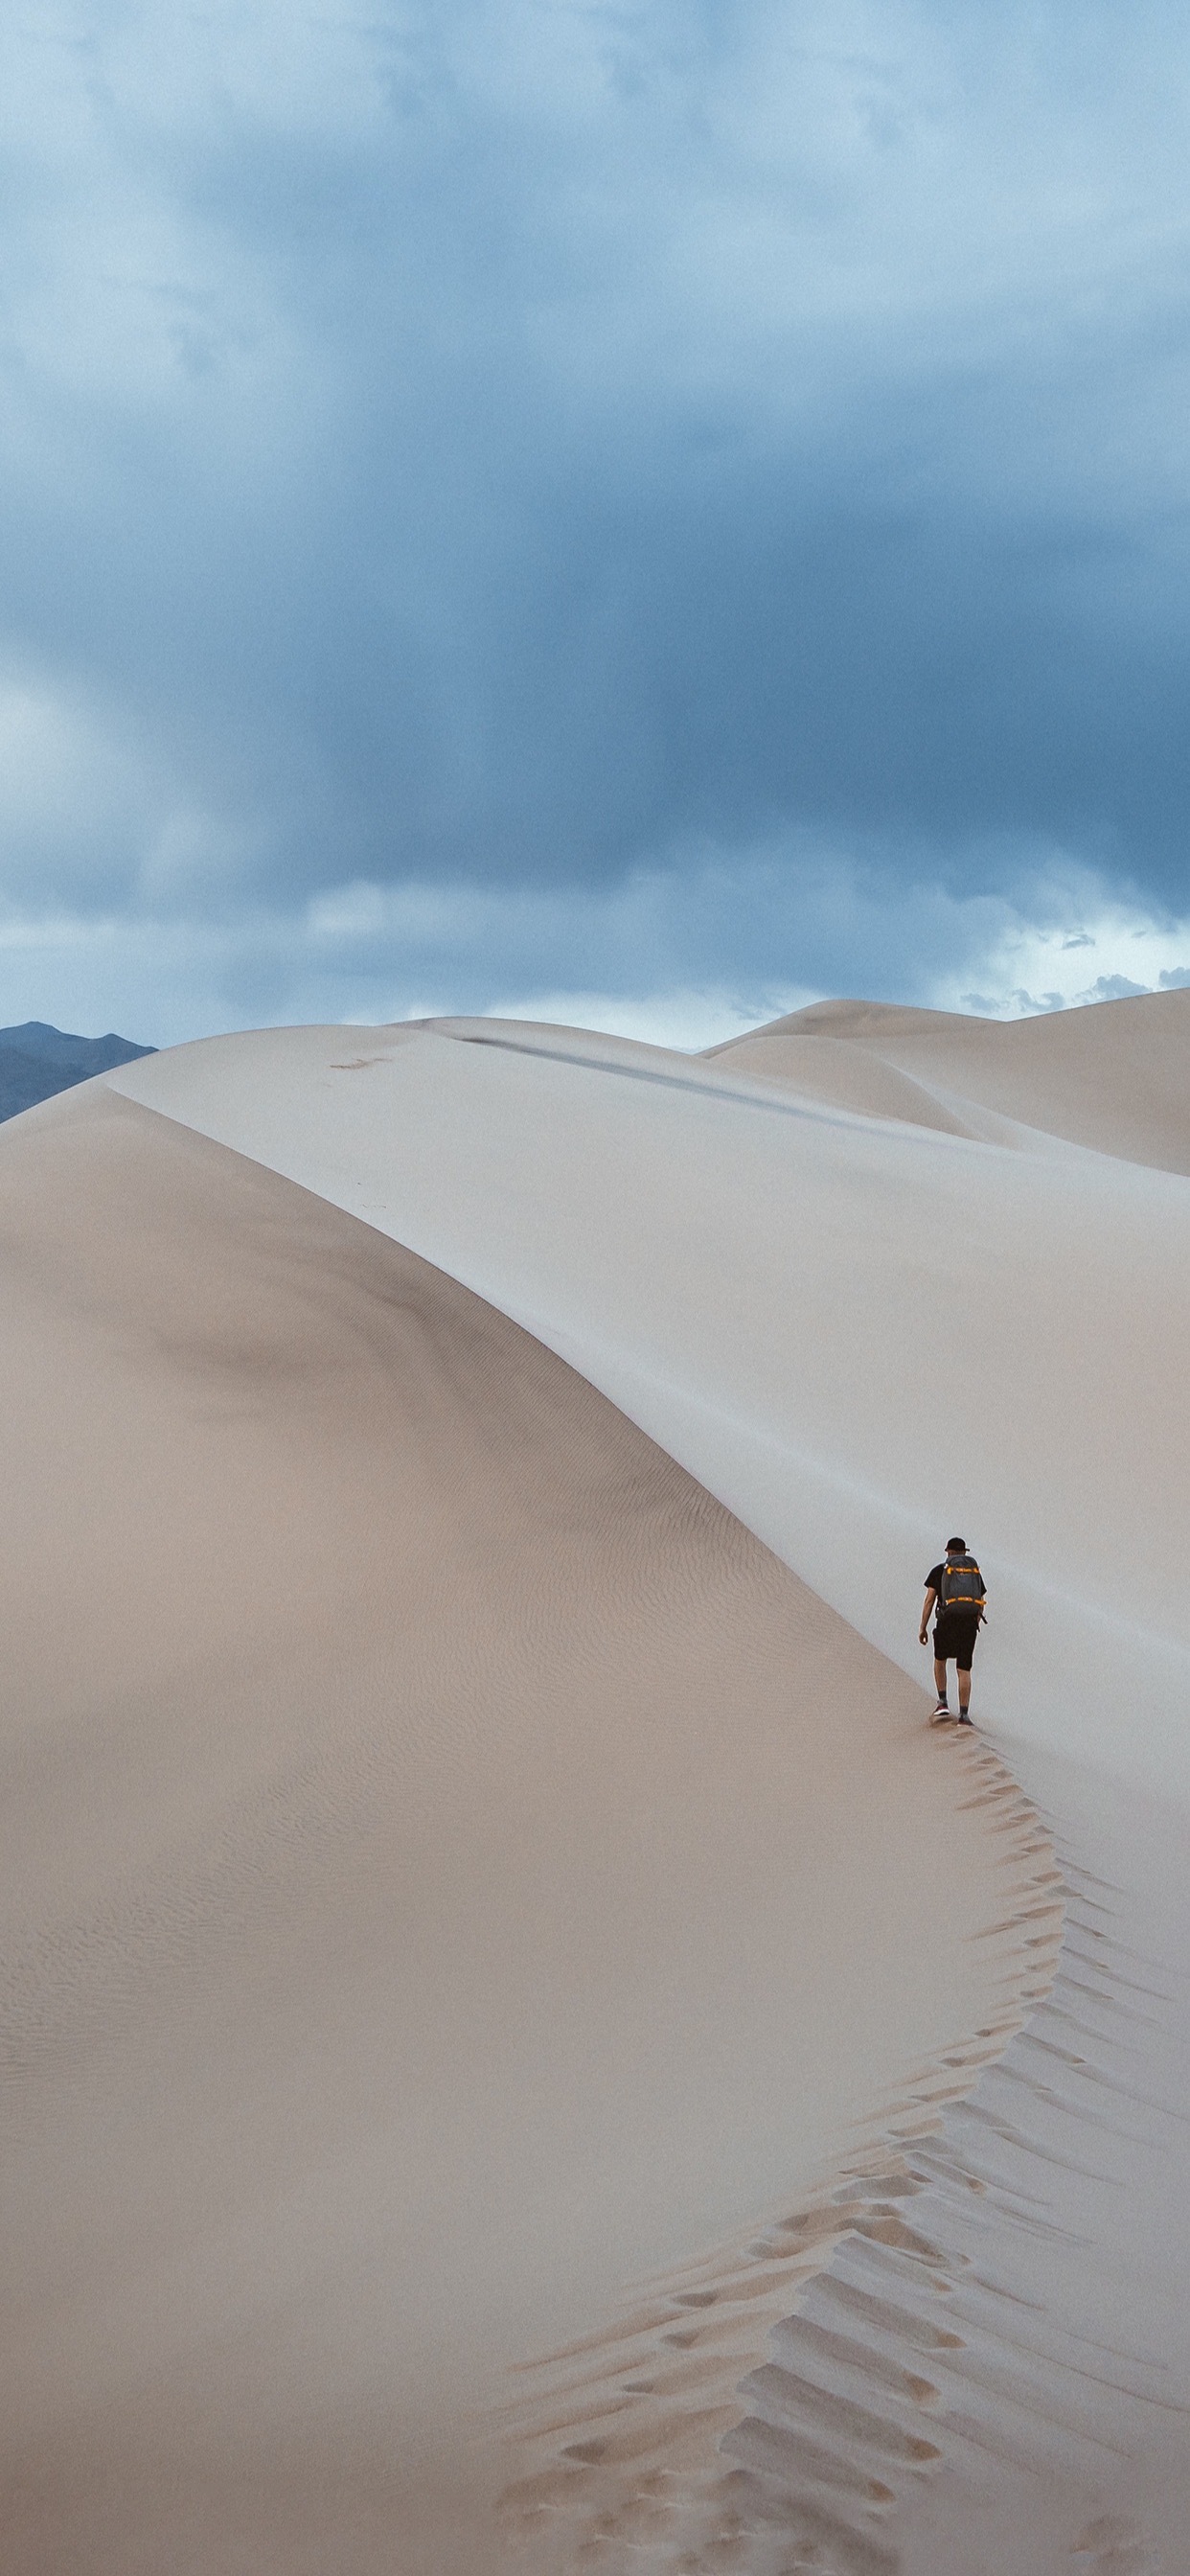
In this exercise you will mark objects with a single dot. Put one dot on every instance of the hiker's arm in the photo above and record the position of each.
(930, 1599)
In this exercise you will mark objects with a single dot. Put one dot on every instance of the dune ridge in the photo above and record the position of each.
(939, 2400)
(428, 1819)
(1115, 1077)
(766, 1280)
(625, 1204)
(812, 2456)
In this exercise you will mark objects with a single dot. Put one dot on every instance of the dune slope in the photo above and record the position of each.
(452, 1871)
(1115, 1077)
(841, 1074)
(858, 1332)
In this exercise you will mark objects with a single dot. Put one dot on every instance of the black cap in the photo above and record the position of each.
(956, 1547)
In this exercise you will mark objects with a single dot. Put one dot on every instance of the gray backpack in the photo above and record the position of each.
(961, 1586)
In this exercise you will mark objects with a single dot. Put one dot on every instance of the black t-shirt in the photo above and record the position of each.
(958, 1609)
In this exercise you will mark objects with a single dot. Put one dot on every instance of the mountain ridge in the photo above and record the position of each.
(37, 1060)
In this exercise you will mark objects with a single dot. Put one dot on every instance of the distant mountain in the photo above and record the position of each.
(36, 1061)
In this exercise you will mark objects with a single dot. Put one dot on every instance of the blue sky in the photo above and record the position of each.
(634, 512)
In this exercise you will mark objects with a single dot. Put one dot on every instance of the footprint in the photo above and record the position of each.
(1111, 2548)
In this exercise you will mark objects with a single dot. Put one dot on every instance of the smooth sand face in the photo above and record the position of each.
(843, 1075)
(860, 1331)
(1115, 1077)
(451, 1872)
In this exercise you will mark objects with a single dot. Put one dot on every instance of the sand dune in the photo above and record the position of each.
(856, 1331)
(626, 2086)
(429, 1820)
(842, 1075)
(1116, 1077)
(852, 1330)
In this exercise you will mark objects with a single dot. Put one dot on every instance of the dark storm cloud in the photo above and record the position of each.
(559, 447)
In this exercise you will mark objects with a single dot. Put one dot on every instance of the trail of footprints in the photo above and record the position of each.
(722, 2427)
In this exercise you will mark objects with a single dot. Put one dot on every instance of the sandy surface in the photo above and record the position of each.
(1116, 1077)
(453, 1874)
(860, 1325)
(858, 1332)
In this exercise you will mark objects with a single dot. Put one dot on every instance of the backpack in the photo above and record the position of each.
(961, 1585)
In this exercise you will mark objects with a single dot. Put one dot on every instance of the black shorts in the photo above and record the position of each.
(955, 1632)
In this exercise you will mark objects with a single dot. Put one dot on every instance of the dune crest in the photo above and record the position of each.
(847, 1076)
(771, 1288)
(1115, 1076)
(443, 1850)
(859, 1331)
(623, 2422)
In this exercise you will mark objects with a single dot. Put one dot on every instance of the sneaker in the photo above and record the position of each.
(964, 1720)
(942, 1710)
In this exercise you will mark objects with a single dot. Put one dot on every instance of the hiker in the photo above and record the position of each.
(958, 1588)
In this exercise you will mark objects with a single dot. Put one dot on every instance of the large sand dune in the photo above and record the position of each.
(516, 2021)
(429, 1818)
(852, 1329)
(1116, 1077)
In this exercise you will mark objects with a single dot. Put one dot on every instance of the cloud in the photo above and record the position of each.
(1031, 965)
(1113, 988)
(700, 944)
(712, 480)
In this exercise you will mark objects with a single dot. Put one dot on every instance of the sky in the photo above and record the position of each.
(608, 510)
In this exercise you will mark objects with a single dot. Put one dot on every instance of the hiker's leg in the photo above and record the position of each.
(940, 1675)
(963, 1671)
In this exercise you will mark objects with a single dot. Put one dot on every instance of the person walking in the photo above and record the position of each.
(957, 1587)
